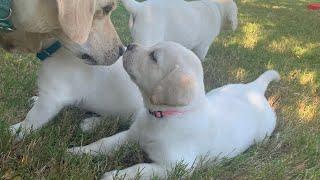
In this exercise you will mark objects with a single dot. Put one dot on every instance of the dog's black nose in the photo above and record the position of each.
(121, 50)
(131, 47)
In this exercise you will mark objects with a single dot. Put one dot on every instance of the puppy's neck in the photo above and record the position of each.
(67, 43)
(193, 106)
(61, 52)
(47, 43)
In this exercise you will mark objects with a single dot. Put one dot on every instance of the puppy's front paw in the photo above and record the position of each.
(16, 131)
(76, 151)
(33, 100)
(110, 175)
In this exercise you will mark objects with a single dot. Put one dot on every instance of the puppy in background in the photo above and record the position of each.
(192, 24)
(179, 122)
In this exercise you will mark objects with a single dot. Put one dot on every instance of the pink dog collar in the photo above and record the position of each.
(162, 114)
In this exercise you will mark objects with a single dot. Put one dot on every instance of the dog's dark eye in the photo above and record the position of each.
(153, 57)
(107, 9)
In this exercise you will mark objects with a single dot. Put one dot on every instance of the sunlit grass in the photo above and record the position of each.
(240, 74)
(308, 78)
(308, 111)
(252, 34)
(283, 45)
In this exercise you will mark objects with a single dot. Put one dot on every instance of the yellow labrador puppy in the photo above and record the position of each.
(179, 121)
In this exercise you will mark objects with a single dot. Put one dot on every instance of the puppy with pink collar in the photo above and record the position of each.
(179, 121)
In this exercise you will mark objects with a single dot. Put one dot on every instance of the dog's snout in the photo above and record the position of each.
(89, 59)
(121, 50)
(131, 47)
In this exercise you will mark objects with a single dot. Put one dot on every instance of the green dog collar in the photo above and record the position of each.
(5, 16)
(45, 53)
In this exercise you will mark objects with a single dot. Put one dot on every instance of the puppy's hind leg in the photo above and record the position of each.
(44, 109)
(201, 51)
(232, 14)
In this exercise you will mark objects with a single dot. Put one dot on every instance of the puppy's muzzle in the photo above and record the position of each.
(121, 50)
(128, 60)
(131, 47)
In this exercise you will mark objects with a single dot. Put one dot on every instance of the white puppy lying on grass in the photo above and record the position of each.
(64, 81)
(192, 24)
(180, 122)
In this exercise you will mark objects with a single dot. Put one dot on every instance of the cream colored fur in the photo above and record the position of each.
(82, 22)
(220, 124)
(65, 80)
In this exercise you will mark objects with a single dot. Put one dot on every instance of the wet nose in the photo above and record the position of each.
(121, 50)
(131, 47)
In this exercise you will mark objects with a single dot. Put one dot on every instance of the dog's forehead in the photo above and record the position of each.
(177, 55)
(168, 48)
(174, 50)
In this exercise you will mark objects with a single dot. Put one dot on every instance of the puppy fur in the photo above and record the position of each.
(85, 23)
(220, 124)
(192, 24)
(65, 80)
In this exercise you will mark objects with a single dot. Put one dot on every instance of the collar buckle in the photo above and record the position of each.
(8, 16)
(6, 26)
(157, 114)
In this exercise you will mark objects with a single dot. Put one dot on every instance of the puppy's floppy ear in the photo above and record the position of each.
(176, 89)
(75, 17)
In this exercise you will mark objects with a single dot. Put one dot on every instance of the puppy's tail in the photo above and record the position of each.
(229, 13)
(262, 83)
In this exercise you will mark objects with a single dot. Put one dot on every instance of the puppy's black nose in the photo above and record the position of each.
(131, 47)
(121, 50)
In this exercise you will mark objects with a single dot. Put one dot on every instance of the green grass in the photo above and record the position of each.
(272, 34)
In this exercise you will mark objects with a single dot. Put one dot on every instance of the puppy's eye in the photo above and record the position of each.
(107, 9)
(153, 57)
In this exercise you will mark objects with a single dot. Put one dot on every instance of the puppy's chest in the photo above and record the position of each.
(169, 141)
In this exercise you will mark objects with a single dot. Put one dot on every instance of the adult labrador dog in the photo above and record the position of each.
(63, 78)
(192, 24)
(179, 122)
(83, 26)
